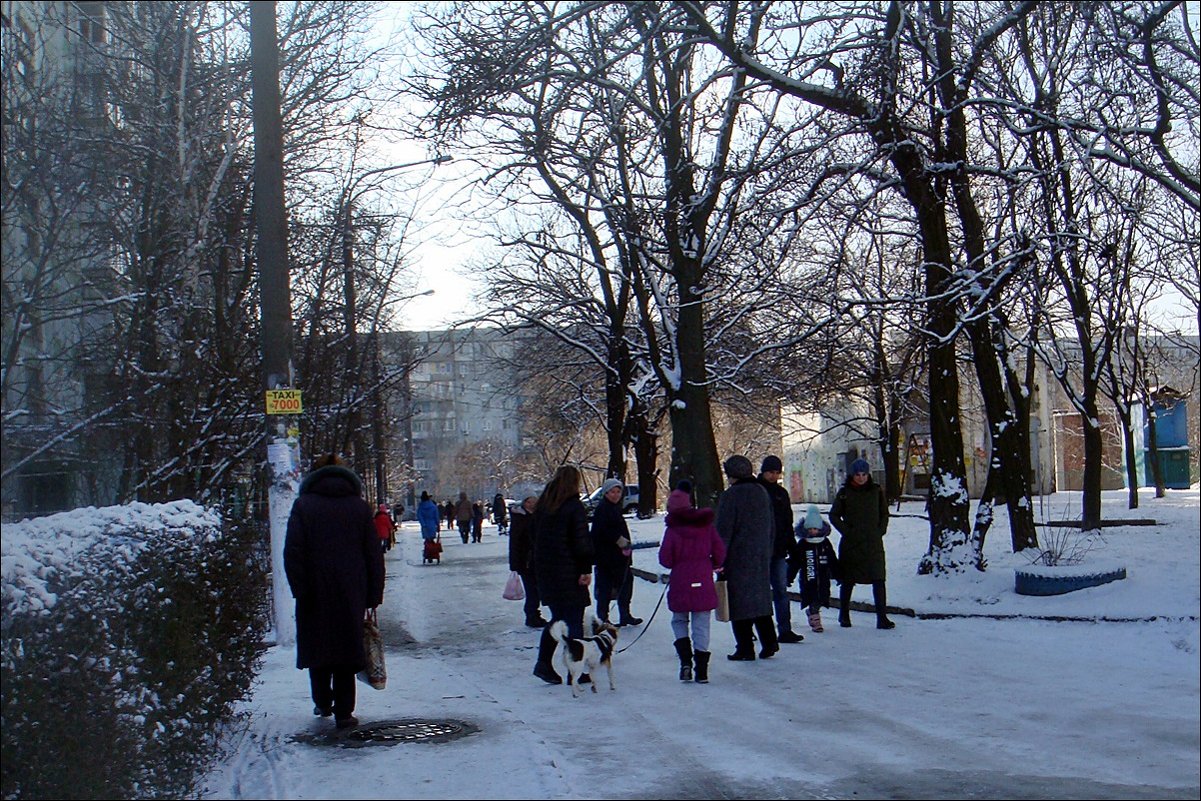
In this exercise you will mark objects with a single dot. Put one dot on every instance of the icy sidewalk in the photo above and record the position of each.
(952, 709)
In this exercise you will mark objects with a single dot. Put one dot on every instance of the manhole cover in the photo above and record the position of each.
(408, 731)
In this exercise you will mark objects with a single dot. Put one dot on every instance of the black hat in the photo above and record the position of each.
(772, 464)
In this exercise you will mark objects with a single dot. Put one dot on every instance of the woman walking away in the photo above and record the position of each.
(747, 527)
(562, 562)
(385, 528)
(692, 551)
(860, 513)
(521, 551)
(335, 569)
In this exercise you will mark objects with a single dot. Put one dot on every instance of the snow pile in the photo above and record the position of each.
(128, 634)
(58, 550)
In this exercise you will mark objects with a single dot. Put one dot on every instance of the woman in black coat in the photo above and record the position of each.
(860, 513)
(521, 548)
(335, 569)
(563, 558)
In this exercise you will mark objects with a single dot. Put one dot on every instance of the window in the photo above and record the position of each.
(91, 22)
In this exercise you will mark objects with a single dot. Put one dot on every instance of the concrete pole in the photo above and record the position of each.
(283, 452)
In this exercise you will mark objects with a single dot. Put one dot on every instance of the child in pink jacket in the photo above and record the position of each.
(693, 551)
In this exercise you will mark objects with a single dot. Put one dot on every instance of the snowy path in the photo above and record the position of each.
(937, 708)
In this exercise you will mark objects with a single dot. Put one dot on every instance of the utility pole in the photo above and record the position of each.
(283, 452)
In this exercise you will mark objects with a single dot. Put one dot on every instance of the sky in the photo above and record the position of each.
(985, 694)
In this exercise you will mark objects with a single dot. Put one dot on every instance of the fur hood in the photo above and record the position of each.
(690, 518)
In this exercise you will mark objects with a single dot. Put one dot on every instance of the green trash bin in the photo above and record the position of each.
(1173, 466)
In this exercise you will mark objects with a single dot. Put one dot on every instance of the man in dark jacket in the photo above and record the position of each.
(781, 505)
(747, 528)
(335, 569)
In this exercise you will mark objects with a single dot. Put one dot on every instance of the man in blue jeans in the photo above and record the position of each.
(781, 504)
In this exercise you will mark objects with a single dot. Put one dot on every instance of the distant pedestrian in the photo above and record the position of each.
(384, 527)
(562, 562)
(335, 569)
(860, 513)
(500, 515)
(521, 553)
(692, 549)
(747, 528)
(814, 560)
(477, 521)
(428, 516)
(398, 513)
(463, 517)
(448, 509)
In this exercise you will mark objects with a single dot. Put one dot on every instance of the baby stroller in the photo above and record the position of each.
(432, 551)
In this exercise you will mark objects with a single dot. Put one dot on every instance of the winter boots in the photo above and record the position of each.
(684, 650)
(880, 596)
(844, 604)
(815, 622)
(543, 668)
(702, 666)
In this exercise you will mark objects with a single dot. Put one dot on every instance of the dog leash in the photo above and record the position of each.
(648, 622)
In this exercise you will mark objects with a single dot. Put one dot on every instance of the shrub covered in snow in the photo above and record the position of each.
(128, 634)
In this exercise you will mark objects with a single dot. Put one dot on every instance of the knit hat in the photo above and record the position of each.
(813, 518)
(684, 486)
(738, 467)
(772, 464)
(677, 500)
(860, 466)
(610, 483)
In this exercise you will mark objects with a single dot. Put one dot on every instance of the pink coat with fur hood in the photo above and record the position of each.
(692, 550)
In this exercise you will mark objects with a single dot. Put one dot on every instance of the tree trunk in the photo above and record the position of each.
(1153, 450)
(1131, 457)
(616, 381)
(646, 454)
(1093, 452)
(985, 514)
(693, 447)
(1010, 450)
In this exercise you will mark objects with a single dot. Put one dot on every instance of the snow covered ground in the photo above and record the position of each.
(992, 702)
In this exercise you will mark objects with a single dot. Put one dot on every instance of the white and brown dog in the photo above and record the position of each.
(586, 654)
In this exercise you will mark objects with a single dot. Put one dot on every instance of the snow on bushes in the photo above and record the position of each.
(128, 634)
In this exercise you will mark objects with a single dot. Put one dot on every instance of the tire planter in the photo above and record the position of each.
(1044, 580)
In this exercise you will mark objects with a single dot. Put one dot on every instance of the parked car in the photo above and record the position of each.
(629, 500)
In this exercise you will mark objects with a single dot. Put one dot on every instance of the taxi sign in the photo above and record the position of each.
(284, 401)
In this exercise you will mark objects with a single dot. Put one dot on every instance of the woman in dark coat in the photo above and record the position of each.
(521, 552)
(335, 569)
(610, 540)
(746, 523)
(563, 559)
(860, 513)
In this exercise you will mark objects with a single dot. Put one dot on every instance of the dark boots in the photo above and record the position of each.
(880, 596)
(844, 604)
(543, 668)
(744, 641)
(684, 650)
(702, 666)
(766, 629)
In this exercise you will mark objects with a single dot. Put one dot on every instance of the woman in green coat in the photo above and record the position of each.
(860, 513)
